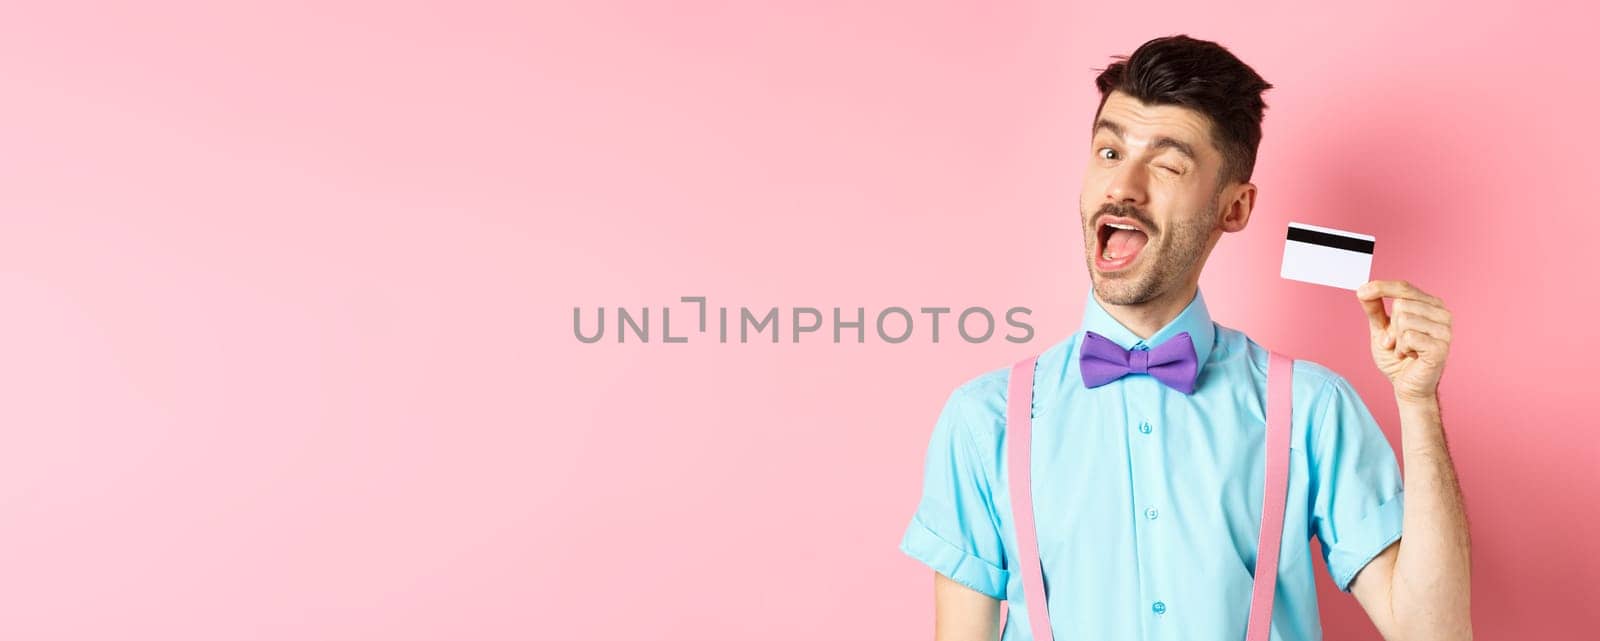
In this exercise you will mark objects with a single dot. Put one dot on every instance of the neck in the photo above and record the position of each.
(1145, 319)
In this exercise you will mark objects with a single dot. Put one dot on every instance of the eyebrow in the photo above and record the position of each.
(1161, 142)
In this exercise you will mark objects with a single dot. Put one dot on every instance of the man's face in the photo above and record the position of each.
(1153, 168)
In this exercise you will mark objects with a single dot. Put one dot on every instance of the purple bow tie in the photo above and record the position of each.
(1172, 362)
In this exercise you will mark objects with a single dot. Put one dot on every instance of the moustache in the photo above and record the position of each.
(1128, 212)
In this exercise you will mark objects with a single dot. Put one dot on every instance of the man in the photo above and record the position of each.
(1148, 497)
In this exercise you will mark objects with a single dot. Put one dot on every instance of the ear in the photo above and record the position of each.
(1237, 203)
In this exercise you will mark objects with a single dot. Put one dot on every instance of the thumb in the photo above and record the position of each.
(1377, 318)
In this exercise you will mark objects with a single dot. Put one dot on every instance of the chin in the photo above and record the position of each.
(1123, 288)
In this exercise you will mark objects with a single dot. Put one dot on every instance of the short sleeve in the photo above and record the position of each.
(1357, 498)
(955, 528)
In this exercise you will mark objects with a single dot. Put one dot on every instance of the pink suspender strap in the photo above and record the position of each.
(1280, 394)
(1019, 433)
(1019, 436)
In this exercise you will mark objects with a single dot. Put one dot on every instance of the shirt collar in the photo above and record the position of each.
(1194, 319)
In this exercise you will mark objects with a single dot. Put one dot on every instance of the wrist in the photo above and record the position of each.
(1413, 401)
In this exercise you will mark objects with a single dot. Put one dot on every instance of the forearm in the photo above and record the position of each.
(1430, 590)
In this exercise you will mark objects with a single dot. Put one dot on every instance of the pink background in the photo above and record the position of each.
(287, 339)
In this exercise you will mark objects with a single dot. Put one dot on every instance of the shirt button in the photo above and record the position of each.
(1151, 514)
(1144, 427)
(1158, 607)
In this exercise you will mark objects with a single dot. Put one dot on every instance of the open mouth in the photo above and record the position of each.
(1120, 243)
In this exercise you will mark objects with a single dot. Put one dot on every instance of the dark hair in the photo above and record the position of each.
(1203, 76)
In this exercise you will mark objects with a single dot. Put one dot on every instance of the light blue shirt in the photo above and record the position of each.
(1148, 501)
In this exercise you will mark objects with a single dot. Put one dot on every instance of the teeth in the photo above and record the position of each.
(1123, 226)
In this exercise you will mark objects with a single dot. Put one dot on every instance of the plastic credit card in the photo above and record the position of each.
(1327, 256)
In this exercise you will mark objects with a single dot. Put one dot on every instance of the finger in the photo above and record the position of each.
(1426, 348)
(1377, 318)
(1395, 289)
(1404, 320)
(1402, 346)
(1410, 343)
(1427, 310)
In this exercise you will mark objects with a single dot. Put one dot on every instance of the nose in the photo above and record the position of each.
(1127, 184)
